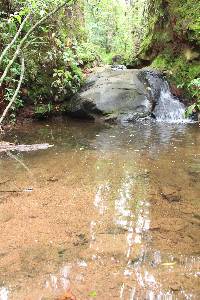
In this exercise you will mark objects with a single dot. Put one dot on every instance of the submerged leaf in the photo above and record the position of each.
(92, 294)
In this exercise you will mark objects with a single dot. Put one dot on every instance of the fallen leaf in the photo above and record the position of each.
(67, 296)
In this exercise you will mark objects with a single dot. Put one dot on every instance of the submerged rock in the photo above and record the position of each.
(171, 194)
(113, 95)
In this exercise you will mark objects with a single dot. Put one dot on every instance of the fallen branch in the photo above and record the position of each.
(16, 92)
(16, 54)
(14, 39)
(6, 147)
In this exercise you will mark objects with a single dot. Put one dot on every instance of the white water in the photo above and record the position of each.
(169, 109)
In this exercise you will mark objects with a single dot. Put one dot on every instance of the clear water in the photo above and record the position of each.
(110, 212)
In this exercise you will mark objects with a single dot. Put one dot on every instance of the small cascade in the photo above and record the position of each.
(168, 108)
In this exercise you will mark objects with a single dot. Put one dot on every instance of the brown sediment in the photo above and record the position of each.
(93, 220)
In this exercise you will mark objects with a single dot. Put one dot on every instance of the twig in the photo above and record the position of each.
(19, 161)
(23, 165)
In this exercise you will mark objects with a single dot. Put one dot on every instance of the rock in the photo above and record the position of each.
(114, 96)
(171, 194)
(118, 67)
(81, 240)
(172, 197)
(175, 286)
(52, 179)
(117, 59)
(154, 80)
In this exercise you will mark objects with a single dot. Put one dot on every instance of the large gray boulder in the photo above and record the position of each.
(113, 95)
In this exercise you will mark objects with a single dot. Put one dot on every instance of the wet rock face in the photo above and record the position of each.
(114, 95)
(195, 116)
(154, 80)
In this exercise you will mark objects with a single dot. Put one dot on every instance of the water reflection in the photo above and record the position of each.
(135, 222)
(100, 197)
(4, 293)
(122, 203)
(59, 283)
(142, 135)
(136, 249)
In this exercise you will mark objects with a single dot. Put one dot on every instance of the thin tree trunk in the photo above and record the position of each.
(14, 39)
(16, 92)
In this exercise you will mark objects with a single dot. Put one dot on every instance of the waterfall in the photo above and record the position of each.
(168, 108)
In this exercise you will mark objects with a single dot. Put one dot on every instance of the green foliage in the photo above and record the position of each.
(192, 109)
(183, 73)
(195, 87)
(87, 53)
(43, 110)
(187, 18)
(169, 36)
(46, 50)
(159, 24)
(9, 92)
(86, 33)
(108, 26)
(70, 76)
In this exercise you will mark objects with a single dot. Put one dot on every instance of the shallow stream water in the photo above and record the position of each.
(109, 212)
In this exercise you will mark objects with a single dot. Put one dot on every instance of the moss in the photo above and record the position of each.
(172, 42)
(171, 21)
(185, 16)
(180, 71)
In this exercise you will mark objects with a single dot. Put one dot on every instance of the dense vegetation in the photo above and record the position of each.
(85, 33)
(50, 52)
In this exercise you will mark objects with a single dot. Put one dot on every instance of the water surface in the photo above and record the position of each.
(110, 212)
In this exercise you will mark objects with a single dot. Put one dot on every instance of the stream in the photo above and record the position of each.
(109, 212)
